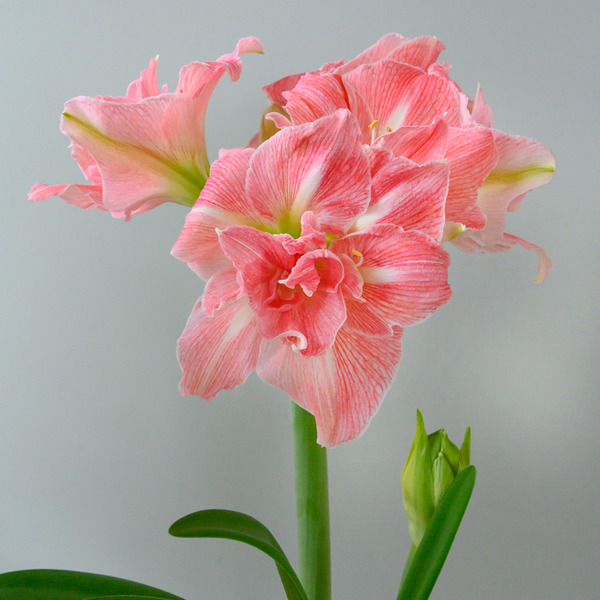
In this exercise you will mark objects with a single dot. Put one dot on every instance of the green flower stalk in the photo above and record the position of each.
(432, 464)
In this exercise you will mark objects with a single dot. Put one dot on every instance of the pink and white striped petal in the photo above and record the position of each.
(315, 95)
(523, 164)
(222, 203)
(219, 352)
(342, 388)
(471, 154)
(408, 195)
(223, 287)
(401, 95)
(405, 273)
(319, 167)
(420, 144)
(292, 298)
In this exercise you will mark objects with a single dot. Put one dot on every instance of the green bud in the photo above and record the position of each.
(432, 464)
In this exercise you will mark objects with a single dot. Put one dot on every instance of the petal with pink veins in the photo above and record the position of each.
(291, 296)
(408, 195)
(401, 95)
(82, 196)
(419, 52)
(219, 352)
(405, 273)
(523, 164)
(420, 144)
(342, 388)
(471, 154)
(319, 167)
(222, 203)
(148, 146)
(220, 289)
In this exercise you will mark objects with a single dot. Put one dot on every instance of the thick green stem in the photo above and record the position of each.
(312, 507)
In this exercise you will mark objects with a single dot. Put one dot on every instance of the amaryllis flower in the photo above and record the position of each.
(406, 102)
(147, 147)
(317, 252)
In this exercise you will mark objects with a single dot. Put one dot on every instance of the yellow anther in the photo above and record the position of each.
(356, 252)
(373, 123)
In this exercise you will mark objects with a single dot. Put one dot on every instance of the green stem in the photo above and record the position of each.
(312, 507)
(408, 564)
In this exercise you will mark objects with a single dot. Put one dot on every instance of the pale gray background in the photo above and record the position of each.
(99, 454)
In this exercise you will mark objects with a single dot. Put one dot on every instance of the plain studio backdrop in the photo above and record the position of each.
(98, 452)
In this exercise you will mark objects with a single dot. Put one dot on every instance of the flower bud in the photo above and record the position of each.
(432, 464)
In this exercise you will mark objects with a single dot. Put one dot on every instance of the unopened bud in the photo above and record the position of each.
(432, 464)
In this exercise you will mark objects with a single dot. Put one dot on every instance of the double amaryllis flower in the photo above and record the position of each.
(322, 241)
(316, 257)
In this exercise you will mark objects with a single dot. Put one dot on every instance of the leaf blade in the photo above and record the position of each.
(423, 570)
(52, 584)
(232, 525)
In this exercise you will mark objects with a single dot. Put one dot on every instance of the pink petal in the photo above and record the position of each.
(343, 388)
(151, 151)
(409, 195)
(222, 203)
(275, 90)
(292, 299)
(83, 196)
(220, 289)
(219, 352)
(523, 164)
(419, 52)
(148, 147)
(146, 85)
(402, 95)
(319, 167)
(471, 153)
(315, 95)
(405, 273)
(480, 111)
(420, 144)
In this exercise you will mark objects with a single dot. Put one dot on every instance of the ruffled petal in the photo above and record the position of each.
(146, 85)
(220, 289)
(523, 164)
(419, 52)
(342, 388)
(82, 196)
(219, 352)
(297, 299)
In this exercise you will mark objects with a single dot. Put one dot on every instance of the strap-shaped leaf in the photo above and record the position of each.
(232, 525)
(424, 566)
(49, 584)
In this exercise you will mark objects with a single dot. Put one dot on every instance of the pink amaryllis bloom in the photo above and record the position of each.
(317, 253)
(147, 147)
(406, 102)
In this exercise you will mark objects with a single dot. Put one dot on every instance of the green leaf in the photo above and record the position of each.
(422, 571)
(48, 584)
(232, 525)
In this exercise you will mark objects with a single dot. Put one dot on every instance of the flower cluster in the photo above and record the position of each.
(323, 239)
